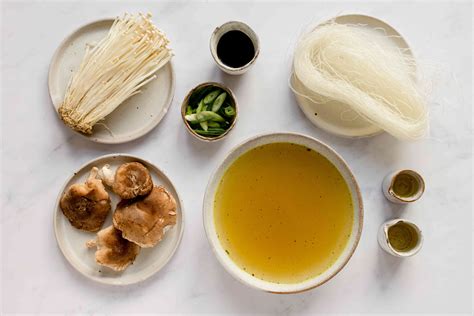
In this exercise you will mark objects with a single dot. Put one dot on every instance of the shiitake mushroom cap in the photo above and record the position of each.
(113, 250)
(131, 180)
(86, 205)
(143, 220)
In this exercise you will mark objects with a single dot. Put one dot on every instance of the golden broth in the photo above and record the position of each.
(283, 212)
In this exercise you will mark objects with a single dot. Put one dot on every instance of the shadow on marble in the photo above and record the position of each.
(387, 270)
(233, 81)
(397, 210)
(249, 299)
(76, 142)
(203, 151)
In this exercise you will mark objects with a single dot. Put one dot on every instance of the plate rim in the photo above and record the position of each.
(61, 245)
(330, 128)
(156, 120)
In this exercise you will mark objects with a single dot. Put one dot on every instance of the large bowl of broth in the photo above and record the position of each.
(283, 213)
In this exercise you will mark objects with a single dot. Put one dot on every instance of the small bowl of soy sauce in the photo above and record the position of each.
(235, 47)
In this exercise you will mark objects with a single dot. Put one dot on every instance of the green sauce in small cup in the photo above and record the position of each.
(402, 237)
(405, 185)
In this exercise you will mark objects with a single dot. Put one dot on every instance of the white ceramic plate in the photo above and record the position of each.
(209, 224)
(336, 117)
(72, 241)
(133, 118)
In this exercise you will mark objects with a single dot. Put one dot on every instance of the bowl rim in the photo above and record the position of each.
(185, 103)
(233, 269)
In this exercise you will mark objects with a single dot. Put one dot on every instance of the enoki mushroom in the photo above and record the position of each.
(114, 70)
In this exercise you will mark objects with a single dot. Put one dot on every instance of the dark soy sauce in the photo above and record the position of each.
(235, 49)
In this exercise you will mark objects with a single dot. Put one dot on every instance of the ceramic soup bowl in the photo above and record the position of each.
(230, 265)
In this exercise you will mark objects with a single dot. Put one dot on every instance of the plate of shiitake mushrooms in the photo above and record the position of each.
(118, 219)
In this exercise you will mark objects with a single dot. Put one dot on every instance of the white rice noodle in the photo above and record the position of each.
(378, 81)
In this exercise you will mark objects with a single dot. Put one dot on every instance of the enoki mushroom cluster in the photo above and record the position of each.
(114, 70)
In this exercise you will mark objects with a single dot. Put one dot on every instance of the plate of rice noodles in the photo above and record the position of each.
(355, 76)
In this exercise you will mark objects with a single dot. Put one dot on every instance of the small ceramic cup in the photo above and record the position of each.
(400, 238)
(231, 26)
(185, 104)
(403, 186)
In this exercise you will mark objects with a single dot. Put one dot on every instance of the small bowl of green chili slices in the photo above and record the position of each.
(209, 111)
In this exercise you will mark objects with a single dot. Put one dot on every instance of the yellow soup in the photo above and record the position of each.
(283, 213)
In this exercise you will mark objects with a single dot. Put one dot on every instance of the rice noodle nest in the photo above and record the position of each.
(378, 81)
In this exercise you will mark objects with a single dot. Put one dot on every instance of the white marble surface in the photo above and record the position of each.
(38, 153)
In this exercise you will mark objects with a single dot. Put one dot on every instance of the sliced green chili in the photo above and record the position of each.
(218, 102)
(209, 116)
(210, 132)
(213, 124)
(229, 111)
(210, 97)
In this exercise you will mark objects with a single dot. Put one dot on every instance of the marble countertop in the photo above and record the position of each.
(39, 153)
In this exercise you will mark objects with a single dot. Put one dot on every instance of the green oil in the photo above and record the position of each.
(402, 237)
(405, 185)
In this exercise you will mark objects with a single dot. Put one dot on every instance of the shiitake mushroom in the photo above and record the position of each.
(130, 180)
(113, 250)
(144, 219)
(140, 219)
(86, 205)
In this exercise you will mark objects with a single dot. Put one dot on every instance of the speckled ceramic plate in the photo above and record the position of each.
(336, 117)
(133, 118)
(72, 241)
